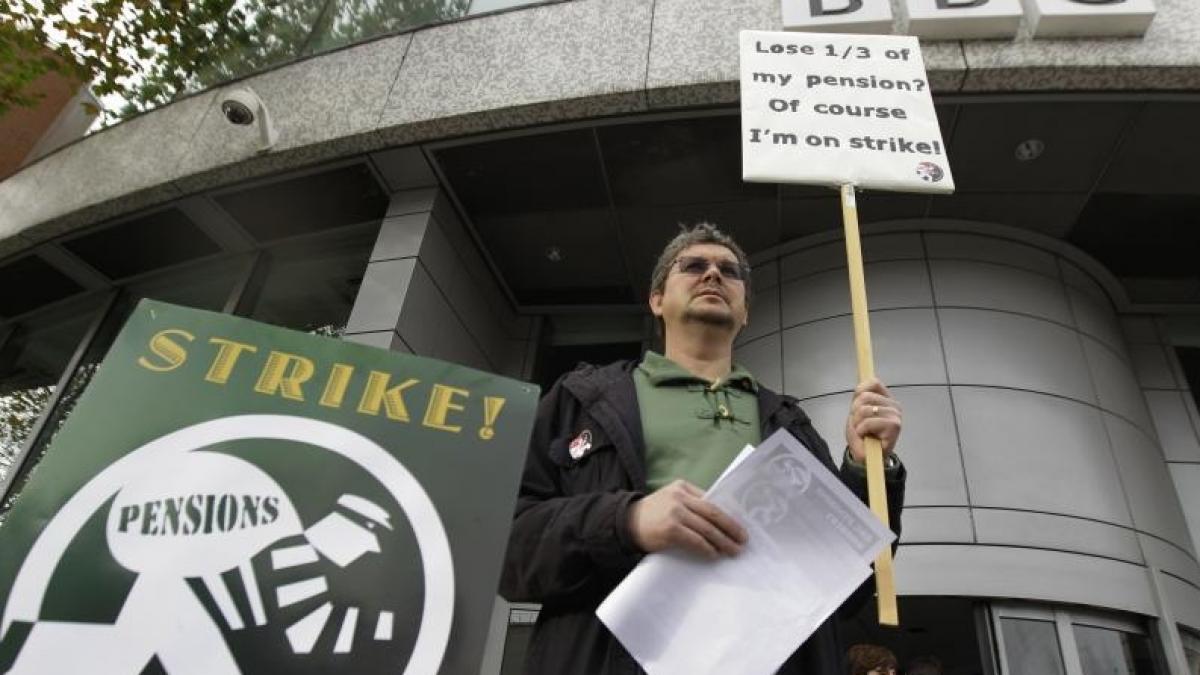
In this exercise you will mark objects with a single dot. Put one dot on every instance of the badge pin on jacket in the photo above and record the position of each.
(580, 444)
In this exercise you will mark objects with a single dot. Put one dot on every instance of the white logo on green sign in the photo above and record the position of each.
(197, 528)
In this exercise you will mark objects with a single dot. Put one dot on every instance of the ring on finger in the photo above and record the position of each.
(874, 411)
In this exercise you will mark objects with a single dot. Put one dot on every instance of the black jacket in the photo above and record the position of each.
(570, 543)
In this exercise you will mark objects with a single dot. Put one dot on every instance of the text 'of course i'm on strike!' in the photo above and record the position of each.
(822, 109)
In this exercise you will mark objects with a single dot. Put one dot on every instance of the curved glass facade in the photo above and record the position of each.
(229, 40)
(48, 357)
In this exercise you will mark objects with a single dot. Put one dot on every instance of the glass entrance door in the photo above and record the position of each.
(1034, 640)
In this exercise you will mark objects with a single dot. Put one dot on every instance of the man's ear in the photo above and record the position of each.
(655, 303)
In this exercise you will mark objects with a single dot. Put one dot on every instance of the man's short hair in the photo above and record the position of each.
(865, 658)
(700, 233)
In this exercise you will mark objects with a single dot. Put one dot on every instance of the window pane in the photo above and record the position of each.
(481, 6)
(350, 21)
(31, 362)
(199, 286)
(1189, 360)
(521, 621)
(312, 286)
(1031, 647)
(515, 647)
(267, 34)
(1191, 650)
(202, 286)
(1103, 651)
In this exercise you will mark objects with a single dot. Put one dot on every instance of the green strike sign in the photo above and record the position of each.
(233, 497)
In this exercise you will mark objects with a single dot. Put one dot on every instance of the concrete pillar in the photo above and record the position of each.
(429, 291)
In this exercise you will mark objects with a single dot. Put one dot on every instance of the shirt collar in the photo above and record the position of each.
(661, 371)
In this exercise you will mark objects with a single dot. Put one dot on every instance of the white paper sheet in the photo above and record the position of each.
(811, 544)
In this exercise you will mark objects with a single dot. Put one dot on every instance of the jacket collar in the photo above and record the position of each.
(609, 395)
(661, 371)
(776, 411)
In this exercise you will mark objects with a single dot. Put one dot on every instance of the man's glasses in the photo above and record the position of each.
(697, 265)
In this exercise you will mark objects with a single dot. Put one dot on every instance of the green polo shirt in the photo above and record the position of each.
(693, 428)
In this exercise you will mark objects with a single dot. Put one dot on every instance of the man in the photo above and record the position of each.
(621, 455)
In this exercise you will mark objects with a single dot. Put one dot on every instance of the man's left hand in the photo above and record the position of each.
(873, 412)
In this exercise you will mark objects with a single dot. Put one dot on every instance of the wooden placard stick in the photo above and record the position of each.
(885, 582)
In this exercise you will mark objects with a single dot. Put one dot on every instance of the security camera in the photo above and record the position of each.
(239, 106)
(243, 107)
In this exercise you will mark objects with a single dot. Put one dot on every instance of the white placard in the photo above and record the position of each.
(824, 109)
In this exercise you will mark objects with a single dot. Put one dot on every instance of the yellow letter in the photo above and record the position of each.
(273, 378)
(226, 358)
(441, 402)
(491, 410)
(173, 353)
(335, 387)
(376, 393)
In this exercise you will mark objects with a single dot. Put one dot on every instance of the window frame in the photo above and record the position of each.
(1064, 619)
(35, 432)
(110, 299)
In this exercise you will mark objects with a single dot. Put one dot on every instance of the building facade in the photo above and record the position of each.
(492, 190)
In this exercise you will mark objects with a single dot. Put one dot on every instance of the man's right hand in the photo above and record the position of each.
(677, 516)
